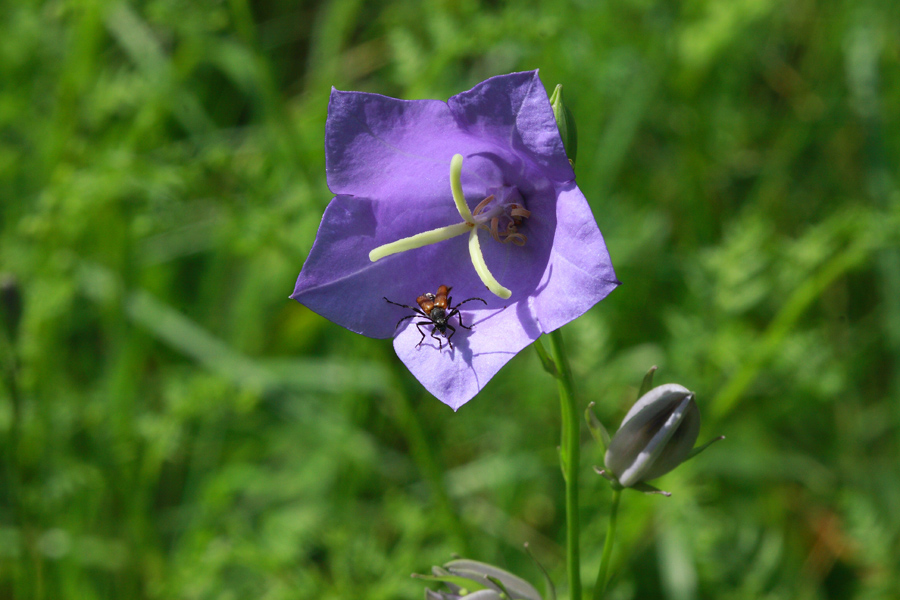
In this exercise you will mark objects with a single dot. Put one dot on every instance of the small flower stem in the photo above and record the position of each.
(603, 573)
(570, 452)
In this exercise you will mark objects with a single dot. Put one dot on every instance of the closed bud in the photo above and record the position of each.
(565, 121)
(475, 580)
(479, 595)
(657, 435)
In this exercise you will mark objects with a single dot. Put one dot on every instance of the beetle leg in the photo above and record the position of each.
(459, 316)
(440, 343)
(403, 305)
(452, 331)
(419, 327)
(464, 301)
(455, 311)
(403, 319)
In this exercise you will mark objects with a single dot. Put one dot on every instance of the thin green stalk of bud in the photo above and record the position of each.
(548, 583)
(605, 559)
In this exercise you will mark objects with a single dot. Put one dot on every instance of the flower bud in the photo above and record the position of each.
(479, 595)
(475, 580)
(565, 121)
(657, 435)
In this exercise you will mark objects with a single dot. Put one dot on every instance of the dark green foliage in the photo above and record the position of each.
(172, 426)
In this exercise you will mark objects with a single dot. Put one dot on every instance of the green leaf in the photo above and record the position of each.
(463, 582)
(649, 489)
(647, 384)
(700, 449)
(598, 431)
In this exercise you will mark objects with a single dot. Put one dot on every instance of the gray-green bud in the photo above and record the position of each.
(475, 580)
(656, 435)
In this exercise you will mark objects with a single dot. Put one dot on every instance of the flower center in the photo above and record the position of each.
(501, 214)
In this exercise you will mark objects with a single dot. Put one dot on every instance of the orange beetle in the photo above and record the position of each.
(438, 309)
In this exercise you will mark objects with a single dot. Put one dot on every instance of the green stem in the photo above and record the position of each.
(603, 574)
(570, 448)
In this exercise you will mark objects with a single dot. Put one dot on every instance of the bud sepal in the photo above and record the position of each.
(476, 580)
(565, 121)
(598, 431)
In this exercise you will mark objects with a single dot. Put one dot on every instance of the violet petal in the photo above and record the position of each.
(388, 162)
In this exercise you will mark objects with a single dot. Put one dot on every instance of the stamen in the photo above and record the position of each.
(520, 212)
(482, 269)
(483, 204)
(516, 238)
(494, 233)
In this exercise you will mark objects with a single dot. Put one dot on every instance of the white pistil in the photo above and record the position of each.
(470, 224)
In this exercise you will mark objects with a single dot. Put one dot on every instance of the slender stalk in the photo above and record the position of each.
(603, 574)
(570, 454)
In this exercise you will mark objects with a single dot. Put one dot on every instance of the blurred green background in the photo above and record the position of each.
(172, 426)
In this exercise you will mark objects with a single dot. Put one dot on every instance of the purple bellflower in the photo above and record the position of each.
(472, 193)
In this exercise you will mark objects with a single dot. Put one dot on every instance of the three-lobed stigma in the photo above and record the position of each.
(501, 213)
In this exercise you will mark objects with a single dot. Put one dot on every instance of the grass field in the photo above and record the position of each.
(173, 427)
